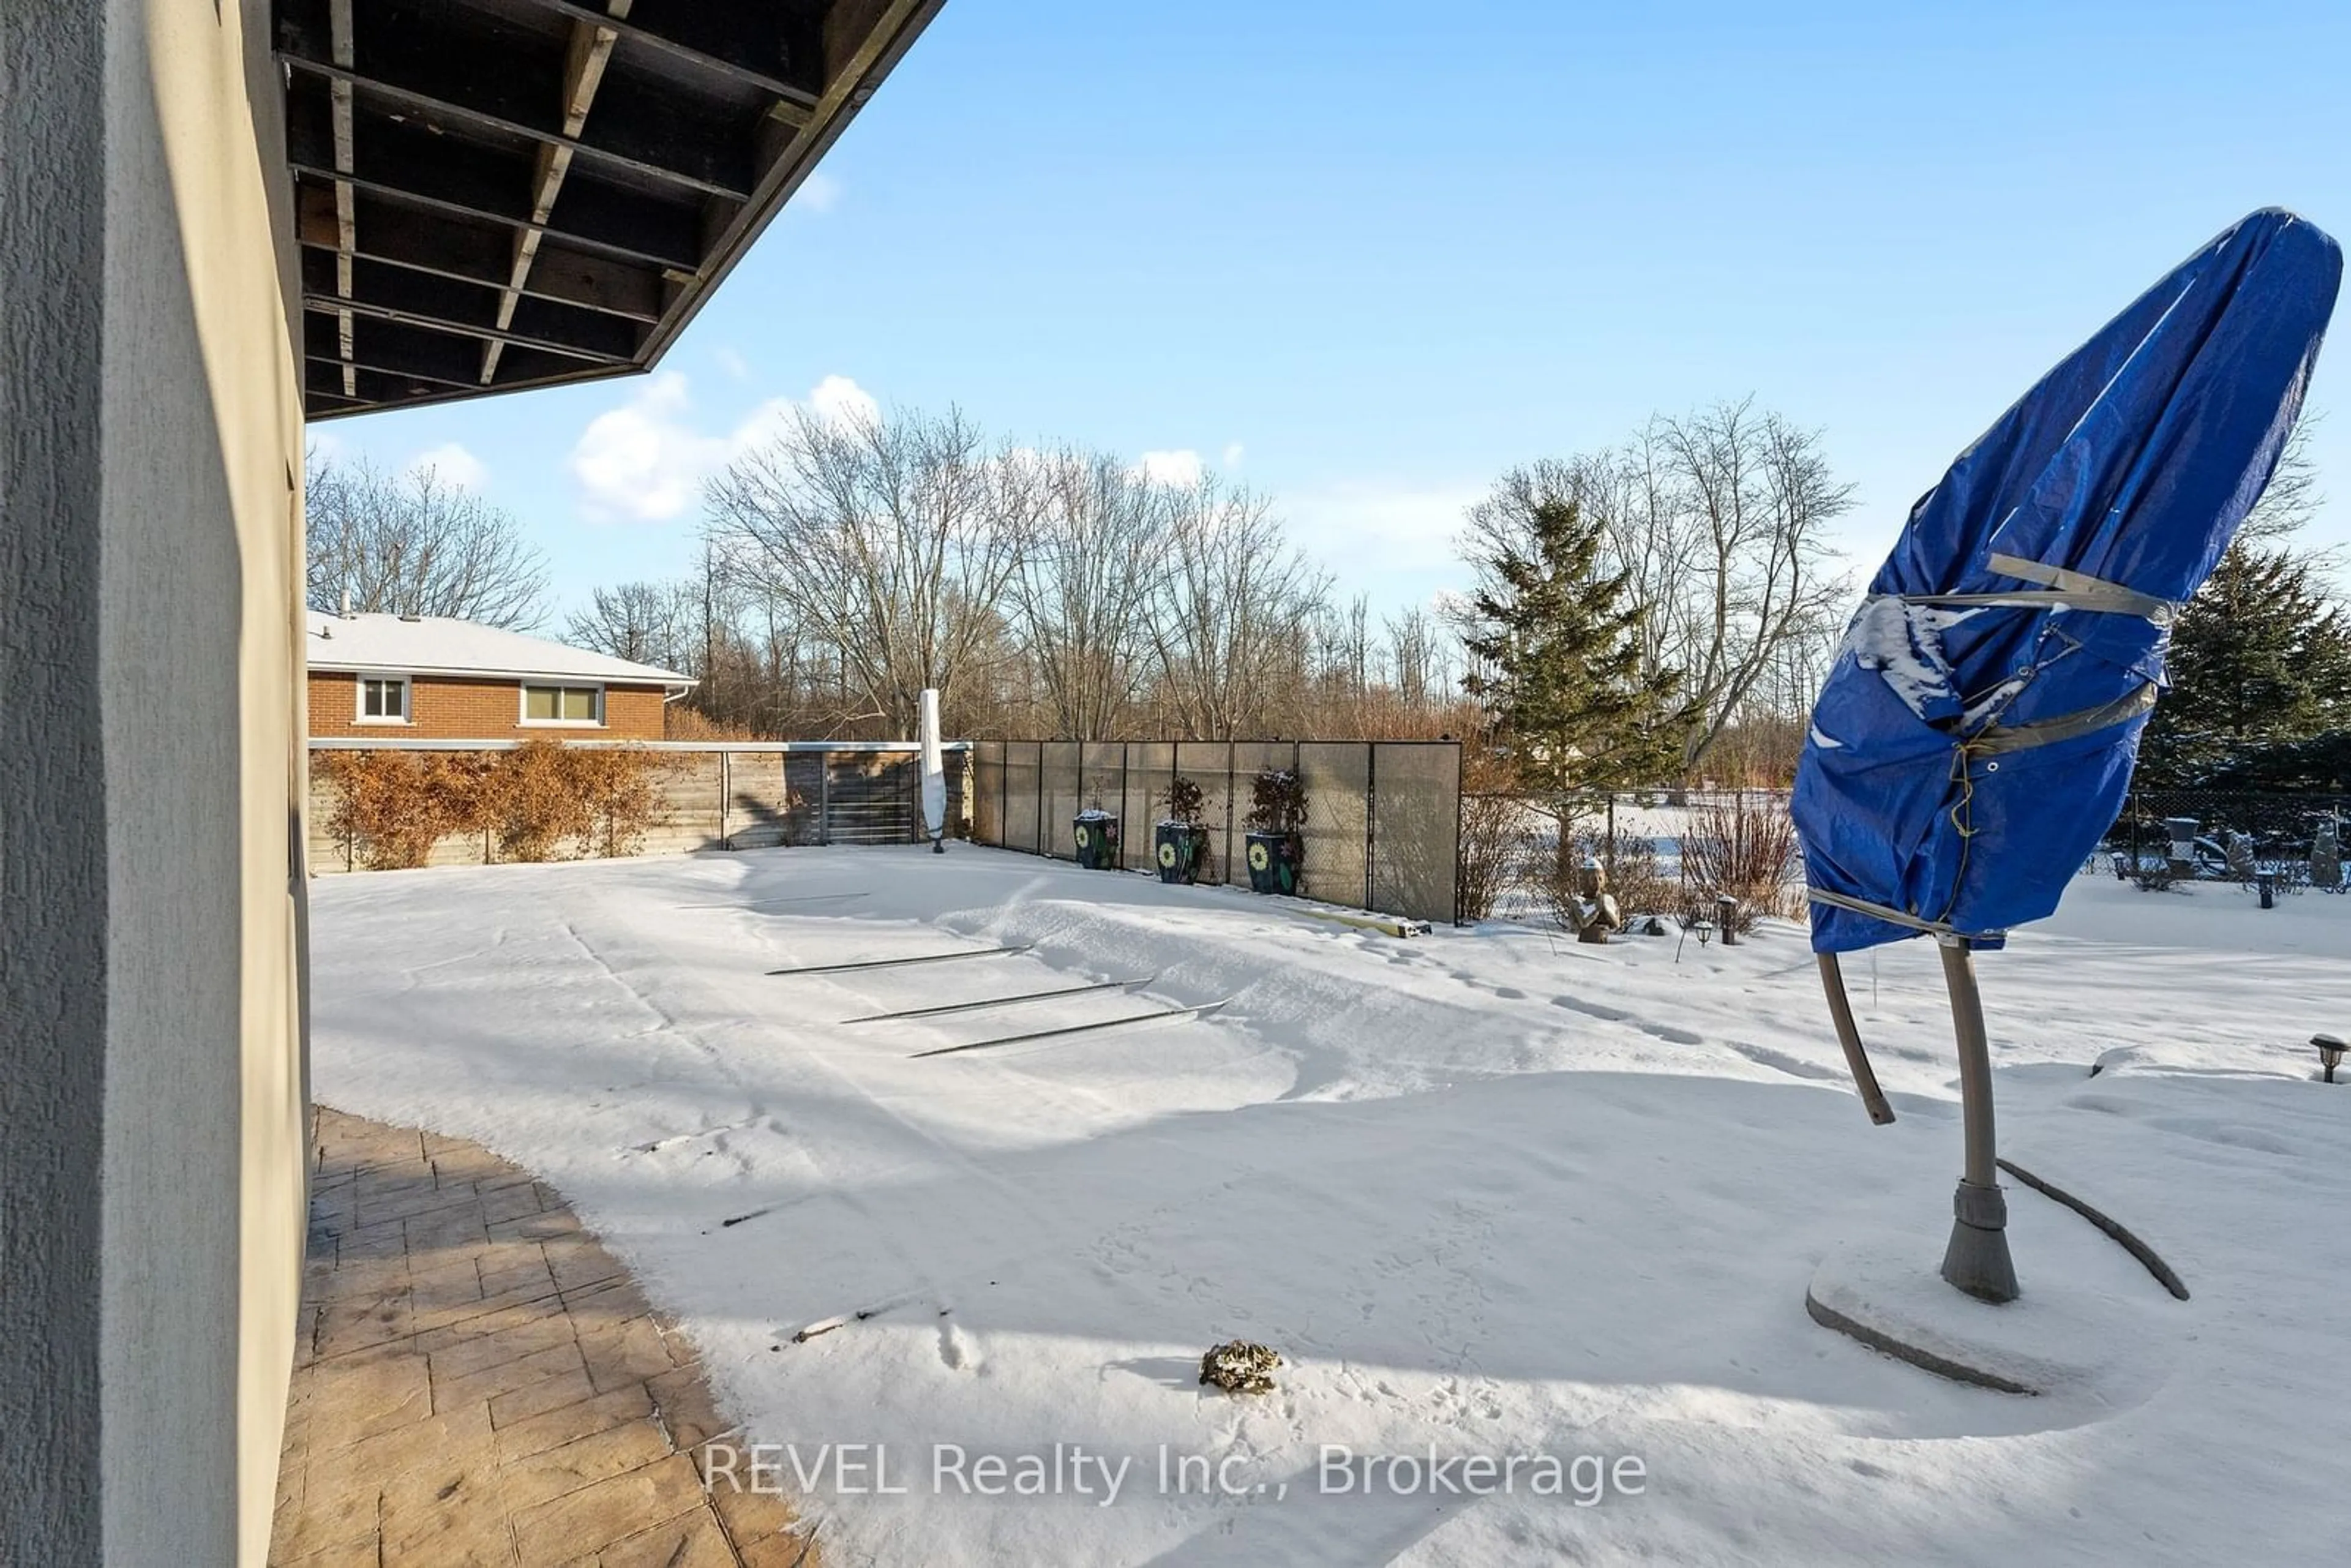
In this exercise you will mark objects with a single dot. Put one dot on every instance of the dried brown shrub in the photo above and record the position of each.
(680, 722)
(618, 784)
(394, 806)
(542, 793)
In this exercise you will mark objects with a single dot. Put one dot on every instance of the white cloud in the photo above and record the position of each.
(1182, 466)
(453, 465)
(819, 192)
(839, 401)
(736, 366)
(644, 461)
(1400, 529)
(1233, 449)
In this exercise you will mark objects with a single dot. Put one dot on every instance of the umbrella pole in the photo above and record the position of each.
(1976, 1261)
(1856, 1059)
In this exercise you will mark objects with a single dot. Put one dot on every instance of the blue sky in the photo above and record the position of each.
(1366, 255)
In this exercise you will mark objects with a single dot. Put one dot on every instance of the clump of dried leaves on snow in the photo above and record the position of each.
(1238, 1366)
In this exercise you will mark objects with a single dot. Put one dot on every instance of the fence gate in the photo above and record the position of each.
(870, 797)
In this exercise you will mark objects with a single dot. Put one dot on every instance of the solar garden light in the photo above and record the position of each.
(1725, 916)
(2265, 883)
(2330, 1053)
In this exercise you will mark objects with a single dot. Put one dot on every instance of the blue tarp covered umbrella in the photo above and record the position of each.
(1977, 733)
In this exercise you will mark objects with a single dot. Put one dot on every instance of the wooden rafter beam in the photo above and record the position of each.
(493, 195)
(583, 72)
(864, 40)
(400, 294)
(367, 307)
(339, 24)
(380, 390)
(433, 243)
(416, 167)
(794, 86)
(643, 152)
(449, 357)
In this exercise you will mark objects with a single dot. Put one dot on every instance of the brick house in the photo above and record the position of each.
(429, 678)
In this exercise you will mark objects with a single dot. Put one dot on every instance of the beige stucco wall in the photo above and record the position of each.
(203, 1203)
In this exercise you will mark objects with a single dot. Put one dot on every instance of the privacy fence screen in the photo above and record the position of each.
(1383, 817)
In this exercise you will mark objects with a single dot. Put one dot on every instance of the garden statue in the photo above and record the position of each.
(1596, 913)
(2239, 855)
(2326, 856)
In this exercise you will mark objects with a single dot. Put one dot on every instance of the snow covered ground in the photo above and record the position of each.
(1490, 1195)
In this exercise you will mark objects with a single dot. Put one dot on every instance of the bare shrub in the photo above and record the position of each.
(1745, 847)
(1496, 840)
(680, 722)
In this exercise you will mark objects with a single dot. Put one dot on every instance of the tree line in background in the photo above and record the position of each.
(1658, 611)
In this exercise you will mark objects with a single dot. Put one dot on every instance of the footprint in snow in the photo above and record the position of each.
(1781, 1062)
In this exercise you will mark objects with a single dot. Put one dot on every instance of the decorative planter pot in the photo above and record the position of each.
(1097, 834)
(1275, 861)
(1180, 849)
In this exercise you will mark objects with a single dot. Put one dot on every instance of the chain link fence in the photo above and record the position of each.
(2229, 835)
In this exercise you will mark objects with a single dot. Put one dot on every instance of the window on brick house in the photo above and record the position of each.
(383, 699)
(563, 704)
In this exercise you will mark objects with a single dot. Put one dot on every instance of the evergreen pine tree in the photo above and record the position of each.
(1557, 663)
(2260, 658)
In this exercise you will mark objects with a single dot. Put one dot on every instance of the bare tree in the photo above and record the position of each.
(1415, 661)
(1083, 587)
(1718, 521)
(648, 623)
(1229, 615)
(2292, 497)
(889, 540)
(1644, 513)
(414, 544)
(1761, 496)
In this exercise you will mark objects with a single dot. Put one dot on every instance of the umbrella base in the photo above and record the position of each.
(1977, 1260)
(2094, 1329)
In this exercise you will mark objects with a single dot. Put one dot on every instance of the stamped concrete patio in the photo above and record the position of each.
(478, 1382)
